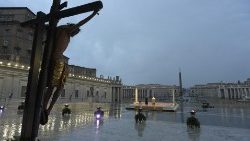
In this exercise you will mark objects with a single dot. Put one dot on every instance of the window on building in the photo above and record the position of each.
(3, 50)
(92, 91)
(87, 93)
(30, 34)
(17, 50)
(5, 43)
(23, 91)
(105, 94)
(76, 93)
(7, 17)
(29, 51)
(63, 93)
(19, 30)
(27, 17)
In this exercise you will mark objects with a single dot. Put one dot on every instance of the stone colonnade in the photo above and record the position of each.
(116, 94)
(234, 92)
(14, 77)
(160, 92)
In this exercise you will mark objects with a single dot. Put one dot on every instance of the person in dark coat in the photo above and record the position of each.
(192, 121)
(66, 110)
(139, 117)
(146, 101)
(21, 107)
(99, 112)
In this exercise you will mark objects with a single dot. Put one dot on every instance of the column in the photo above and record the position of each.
(245, 92)
(125, 94)
(112, 93)
(136, 95)
(147, 93)
(229, 93)
(119, 94)
(232, 93)
(116, 94)
(173, 96)
(236, 92)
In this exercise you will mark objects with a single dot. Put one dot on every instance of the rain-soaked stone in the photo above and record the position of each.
(222, 123)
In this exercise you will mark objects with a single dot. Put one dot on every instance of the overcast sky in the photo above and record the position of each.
(148, 41)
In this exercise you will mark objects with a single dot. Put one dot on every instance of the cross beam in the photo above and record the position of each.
(94, 6)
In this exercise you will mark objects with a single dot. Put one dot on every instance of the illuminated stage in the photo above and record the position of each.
(158, 106)
(153, 105)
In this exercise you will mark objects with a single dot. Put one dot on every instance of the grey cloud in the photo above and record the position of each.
(147, 41)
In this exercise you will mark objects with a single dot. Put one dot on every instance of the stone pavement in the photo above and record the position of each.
(127, 130)
(218, 124)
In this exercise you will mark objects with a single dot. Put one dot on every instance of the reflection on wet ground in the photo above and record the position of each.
(220, 123)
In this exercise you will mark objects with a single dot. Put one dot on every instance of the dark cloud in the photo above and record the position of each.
(148, 41)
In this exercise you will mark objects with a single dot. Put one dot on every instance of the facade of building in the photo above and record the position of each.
(15, 41)
(160, 92)
(247, 82)
(77, 70)
(14, 77)
(221, 90)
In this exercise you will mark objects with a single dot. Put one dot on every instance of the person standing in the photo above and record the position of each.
(192, 121)
(140, 117)
(153, 100)
(146, 101)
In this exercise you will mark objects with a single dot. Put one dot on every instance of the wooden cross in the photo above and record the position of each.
(37, 78)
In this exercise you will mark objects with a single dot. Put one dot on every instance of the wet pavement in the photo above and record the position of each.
(225, 122)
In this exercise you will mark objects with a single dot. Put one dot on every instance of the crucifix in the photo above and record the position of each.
(47, 67)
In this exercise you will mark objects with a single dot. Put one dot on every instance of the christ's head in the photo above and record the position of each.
(74, 32)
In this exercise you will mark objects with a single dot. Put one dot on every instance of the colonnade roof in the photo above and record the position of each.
(21, 67)
(221, 85)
